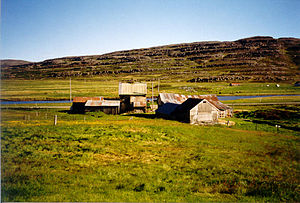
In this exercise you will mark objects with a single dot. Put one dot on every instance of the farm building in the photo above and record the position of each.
(78, 105)
(196, 111)
(106, 106)
(234, 84)
(83, 104)
(133, 97)
(166, 110)
(223, 110)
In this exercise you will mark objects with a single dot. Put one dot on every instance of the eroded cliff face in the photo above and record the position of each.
(251, 59)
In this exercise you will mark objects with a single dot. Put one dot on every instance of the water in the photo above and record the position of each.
(221, 98)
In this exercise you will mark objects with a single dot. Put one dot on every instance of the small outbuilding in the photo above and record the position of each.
(106, 106)
(133, 97)
(235, 84)
(223, 109)
(78, 105)
(166, 110)
(196, 111)
(84, 104)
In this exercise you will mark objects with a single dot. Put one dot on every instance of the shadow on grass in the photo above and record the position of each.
(65, 111)
(142, 115)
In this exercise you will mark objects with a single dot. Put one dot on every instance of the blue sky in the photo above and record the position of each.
(37, 30)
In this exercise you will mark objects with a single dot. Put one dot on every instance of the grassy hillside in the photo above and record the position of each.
(256, 59)
(12, 62)
(97, 157)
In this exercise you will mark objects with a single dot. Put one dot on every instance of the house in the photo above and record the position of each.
(234, 84)
(223, 110)
(196, 111)
(84, 104)
(133, 97)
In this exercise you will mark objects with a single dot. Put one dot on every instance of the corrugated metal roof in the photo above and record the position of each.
(179, 99)
(132, 89)
(84, 99)
(102, 103)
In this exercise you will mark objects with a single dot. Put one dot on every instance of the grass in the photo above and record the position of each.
(273, 99)
(286, 116)
(126, 158)
(108, 86)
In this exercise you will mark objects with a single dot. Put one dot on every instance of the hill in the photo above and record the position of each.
(12, 62)
(250, 59)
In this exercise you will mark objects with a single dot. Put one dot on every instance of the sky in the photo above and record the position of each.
(36, 30)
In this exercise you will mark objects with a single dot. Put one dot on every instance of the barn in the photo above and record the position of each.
(196, 111)
(78, 105)
(193, 110)
(223, 110)
(106, 106)
(84, 104)
(133, 97)
(166, 110)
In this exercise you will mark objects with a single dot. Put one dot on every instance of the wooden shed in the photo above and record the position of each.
(83, 104)
(133, 97)
(78, 105)
(223, 109)
(106, 106)
(166, 110)
(196, 111)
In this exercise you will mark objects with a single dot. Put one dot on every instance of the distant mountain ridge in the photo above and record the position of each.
(257, 59)
(12, 62)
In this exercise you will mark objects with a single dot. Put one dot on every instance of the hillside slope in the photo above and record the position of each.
(12, 62)
(250, 59)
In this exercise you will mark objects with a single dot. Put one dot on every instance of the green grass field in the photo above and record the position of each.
(108, 87)
(128, 158)
(139, 158)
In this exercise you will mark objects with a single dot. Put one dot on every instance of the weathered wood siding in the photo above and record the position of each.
(203, 113)
(132, 89)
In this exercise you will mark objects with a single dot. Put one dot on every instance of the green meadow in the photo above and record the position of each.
(108, 87)
(140, 158)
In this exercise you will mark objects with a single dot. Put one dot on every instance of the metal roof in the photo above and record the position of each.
(102, 103)
(85, 99)
(179, 99)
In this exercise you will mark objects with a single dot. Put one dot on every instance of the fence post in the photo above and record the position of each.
(55, 119)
